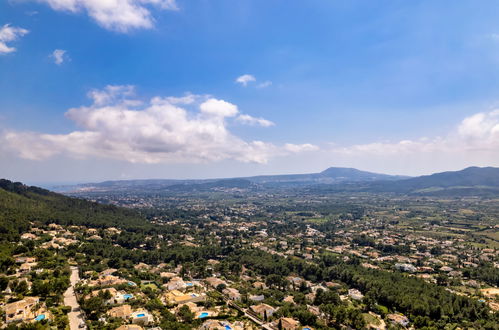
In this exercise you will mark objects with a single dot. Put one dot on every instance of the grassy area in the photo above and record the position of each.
(152, 286)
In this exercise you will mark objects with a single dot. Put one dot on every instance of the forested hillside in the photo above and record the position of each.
(21, 204)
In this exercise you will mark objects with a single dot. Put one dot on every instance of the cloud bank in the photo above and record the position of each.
(8, 34)
(116, 126)
(117, 15)
(476, 133)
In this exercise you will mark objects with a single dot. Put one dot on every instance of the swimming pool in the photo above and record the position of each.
(203, 315)
(40, 317)
(128, 296)
(141, 315)
(227, 327)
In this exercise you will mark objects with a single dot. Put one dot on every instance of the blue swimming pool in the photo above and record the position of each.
(227, 327)
(128, 296)
(307, 329)
(40, 317)
(141, 315)
(203, 315)
(189, 284)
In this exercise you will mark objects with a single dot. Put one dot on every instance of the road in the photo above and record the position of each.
(75, 316)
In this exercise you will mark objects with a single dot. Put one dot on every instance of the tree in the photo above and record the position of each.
(185, 314)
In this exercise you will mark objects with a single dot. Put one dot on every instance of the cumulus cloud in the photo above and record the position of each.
(245, 79)
(117, 15)
(59, 56)
(247, 119)
(8, 34)
(479, 132)
(117, 126)
(218, 108)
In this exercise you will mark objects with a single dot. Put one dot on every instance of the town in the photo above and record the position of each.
(290, 263)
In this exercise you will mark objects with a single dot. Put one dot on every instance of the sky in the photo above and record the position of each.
(124, 89)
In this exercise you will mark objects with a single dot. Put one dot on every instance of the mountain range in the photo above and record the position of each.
(470, 181)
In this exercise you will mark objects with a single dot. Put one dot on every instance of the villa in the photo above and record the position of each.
(175, 283)
(130, 327)
(176, 297)
(263, 309)
(232, 293)
(24, 310)
(287, 323)
(124, 312)
(142, 317)
(214, 282)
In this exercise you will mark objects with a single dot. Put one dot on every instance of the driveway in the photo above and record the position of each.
(75, 316)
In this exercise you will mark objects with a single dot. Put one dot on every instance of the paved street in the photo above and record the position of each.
(75, 316)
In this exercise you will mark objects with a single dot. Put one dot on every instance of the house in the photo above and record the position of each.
(107, 280)
(398, 319)
(263, 310)
(112, 293)
(257, 297)
(259, 285)
(232, 293)
(122, 297)
(29, 236)
(175, 283)
(405, 267)
(192, 307)
(219, 325)
(141, 266)
(167, 274)
(123, 312)
(176, 297)
(26, 268)
(287, 323)
(355, 294)
(109, 271)
(142, 317)
(22, 310)
(214, 281)
(130, 327)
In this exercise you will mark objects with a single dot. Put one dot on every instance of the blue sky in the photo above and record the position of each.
(407, 87)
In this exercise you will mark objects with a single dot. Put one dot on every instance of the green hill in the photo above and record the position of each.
(478, 181)
(21, 204)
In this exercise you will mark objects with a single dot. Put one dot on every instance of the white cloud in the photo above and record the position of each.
(59, 56)
(218, 108)
(247, 119)
(265, 84)
(476, 133)
(7, 34)
(117, 15)
(297, 148)
(245, 79)
(116, 126)
(111, 94)
(188, 98)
